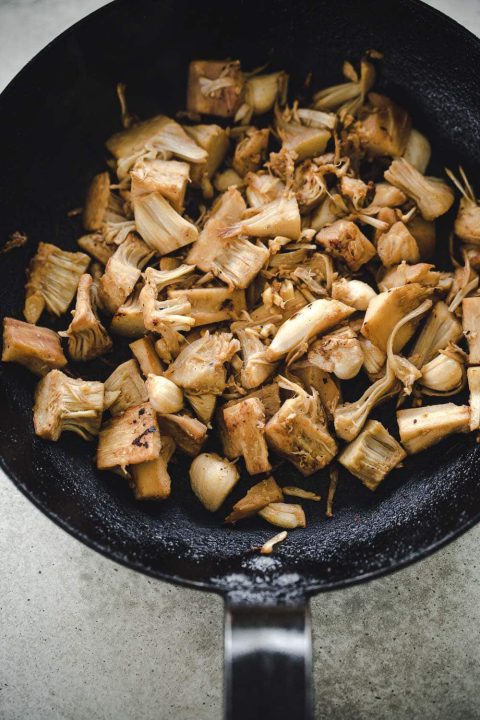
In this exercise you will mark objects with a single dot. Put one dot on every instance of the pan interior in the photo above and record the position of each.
(54, 119)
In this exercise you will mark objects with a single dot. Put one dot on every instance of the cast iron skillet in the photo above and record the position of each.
(54, 118)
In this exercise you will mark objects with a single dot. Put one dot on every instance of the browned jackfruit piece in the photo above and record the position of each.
(343, 239)
(188, 433)
(242, 429)
(37, 348)
(128, 439)
(215, 87)
(259, 496)
(298, 433)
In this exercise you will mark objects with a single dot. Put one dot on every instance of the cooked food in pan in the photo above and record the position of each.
(257, 257)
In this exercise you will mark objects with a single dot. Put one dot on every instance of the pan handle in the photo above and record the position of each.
(268, 662)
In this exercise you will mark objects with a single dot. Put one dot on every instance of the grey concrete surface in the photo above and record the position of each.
(84, 639)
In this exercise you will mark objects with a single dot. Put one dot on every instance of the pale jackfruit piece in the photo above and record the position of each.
(404, 274)
(316, 118)
(203, 406)
(188, 433)
(314, 319)
(328, 212)
(284, 263)
(239, 262)
(117, 232)
(227, 210)
(101, 205)
(339, 353)
(129, 439)
(422, 427)
(259, 496)
(160, 226)
(440, 329)
(36, 348)
(404, 369)
(471, 327)
(95, 245)
(212, 305)
(284, 515)
(212, 478)
(467, 222)
(373, 358)
(473, 376)
(387, 309)
(372, 455)
(200, 367)
(214, 140)
(151, 480)
(261, 94)
(383, 127)
(309, 185)
(293, 302)
(122, 272)
(313, 378)
(418, 151)
(128, 320)
(425, 236)
(160, 137)
(169, 343)
(347, 98)
(343, 239)
(167, 177)
(397, 245)
(298, 433)
(355, 293)
(432, 196)
(157, 313)
(65, 404)
(279, 217)
(250, 151)
(387, 195)
(87, 338)
(53, 278)
(242, 430)
(349, 418)
(355, 191)
(146, 356)
(127, 381)
(227, 179)
(263, 188)
(215, 87)
(305, 141)
(255, 369)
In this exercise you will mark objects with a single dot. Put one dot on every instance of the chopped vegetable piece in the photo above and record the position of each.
(64, 404)
(285, 515)
(425, 426)
(258, 497)
(372, 455)
(128, 439)
(53, 278)
(127, 381)
(37, 348)
(242, 430)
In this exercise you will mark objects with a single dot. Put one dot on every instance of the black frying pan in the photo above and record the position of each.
(54, 118)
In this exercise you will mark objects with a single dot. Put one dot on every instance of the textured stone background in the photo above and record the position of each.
(84, 639)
